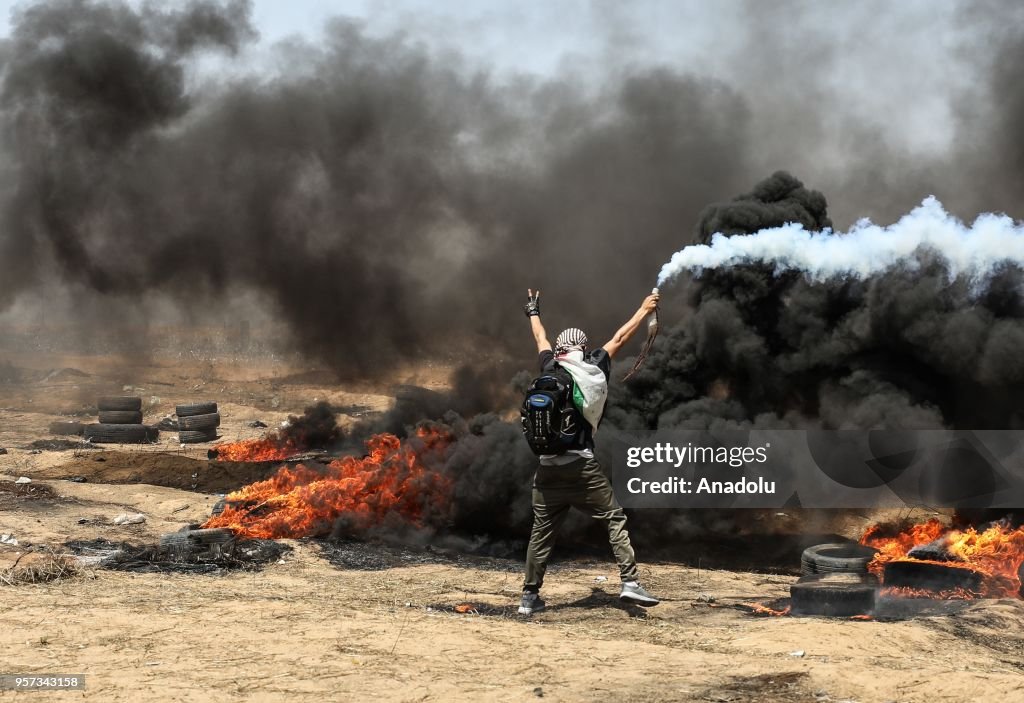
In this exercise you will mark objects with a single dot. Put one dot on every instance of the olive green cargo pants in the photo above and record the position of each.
(583, 485)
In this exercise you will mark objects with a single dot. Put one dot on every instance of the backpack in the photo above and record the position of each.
(551, 420)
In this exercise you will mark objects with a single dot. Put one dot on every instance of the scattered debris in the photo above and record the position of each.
(600, 579)
(26, 490)
(257, 424)
(248, 555)
(465, 608)
(539, 692)
(130, 519)
(23, 479)
(37, 567)
(39, 445)
(797, 653)
(2, 450)
(78, 479)
(705, 598)
(8, 540)
(168, 423)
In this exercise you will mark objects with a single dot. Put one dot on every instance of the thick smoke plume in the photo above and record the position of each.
(384, 200)
(373, 194)
(920, 345)
(974, 252)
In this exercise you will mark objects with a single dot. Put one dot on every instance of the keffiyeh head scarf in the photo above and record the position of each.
(569, 339)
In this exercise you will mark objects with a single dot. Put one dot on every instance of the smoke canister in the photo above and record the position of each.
(652, 324)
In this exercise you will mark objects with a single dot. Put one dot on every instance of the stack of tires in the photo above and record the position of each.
(197, 422)
(120, 422)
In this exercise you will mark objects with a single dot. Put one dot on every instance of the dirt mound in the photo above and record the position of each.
(162, 469)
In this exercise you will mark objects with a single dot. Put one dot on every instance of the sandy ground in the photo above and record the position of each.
(330, 622)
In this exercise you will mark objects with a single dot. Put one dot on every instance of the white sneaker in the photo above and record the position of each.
(633, 592)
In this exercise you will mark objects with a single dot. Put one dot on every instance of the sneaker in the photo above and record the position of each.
(531, 603)
(633, 592)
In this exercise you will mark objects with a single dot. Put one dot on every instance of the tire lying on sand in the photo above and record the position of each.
(119, 434)
(66, 428)
(119, 402)
(199, 422)
(837, 594)
(197, 436)
(191, 409)
(218, 540)
(120, 417)
(838, 558)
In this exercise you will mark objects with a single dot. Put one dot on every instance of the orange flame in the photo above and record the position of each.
(271, 448)
(300, 501)
(996, 553)
(758, 609)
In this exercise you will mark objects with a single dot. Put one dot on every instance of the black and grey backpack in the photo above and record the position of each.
(550, 418)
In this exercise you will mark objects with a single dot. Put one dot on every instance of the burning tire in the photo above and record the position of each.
(120, 434)
(223, 504)
(192, 409)
(837, 594)
(209, 421)
(120, 417)
(836, 558)
(197, 436)
(930, 576)
(119, 402)
(65, 428)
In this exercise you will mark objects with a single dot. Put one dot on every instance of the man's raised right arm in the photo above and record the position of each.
(532, 310)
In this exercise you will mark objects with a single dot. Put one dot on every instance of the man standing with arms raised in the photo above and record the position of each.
(573, 477)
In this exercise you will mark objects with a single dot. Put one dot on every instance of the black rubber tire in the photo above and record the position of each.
(120, 434)
(836, 595)
(66, 428)
(838, 558)
(120, 417)
(199, 422)
(197, 436)
(929, 576)
(119, 402)
(191, 409)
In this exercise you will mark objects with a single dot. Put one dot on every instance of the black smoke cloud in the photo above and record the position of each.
(906, 349)
(389, 201)
(385, 201)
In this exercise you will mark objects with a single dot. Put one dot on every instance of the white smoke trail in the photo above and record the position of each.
(867, 249)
